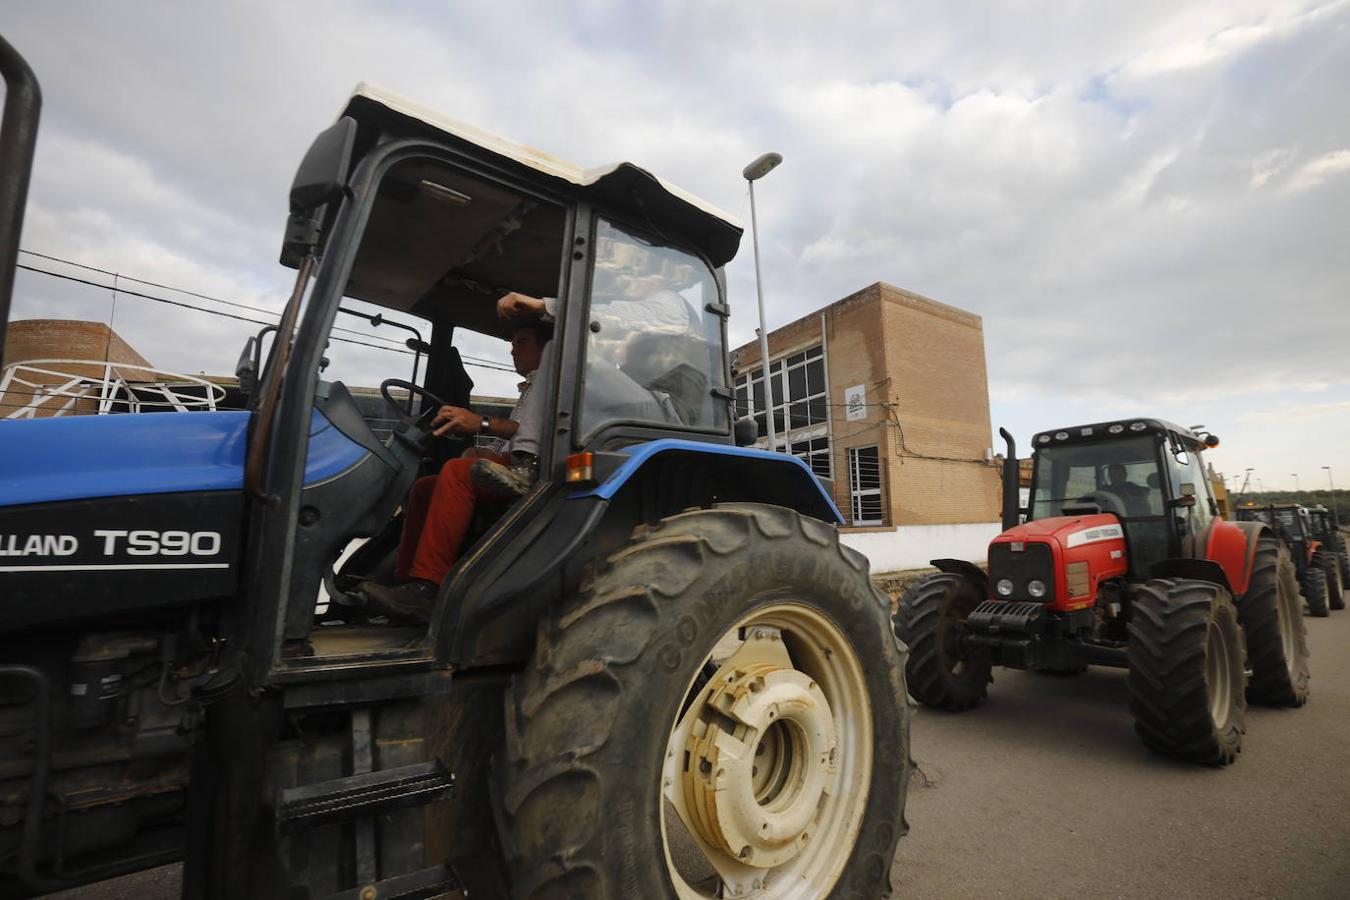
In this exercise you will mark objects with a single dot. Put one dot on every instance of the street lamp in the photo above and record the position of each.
(753, 172)
(1331, 484)
(1296, 487)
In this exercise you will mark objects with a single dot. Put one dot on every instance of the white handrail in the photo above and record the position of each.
(41, 384)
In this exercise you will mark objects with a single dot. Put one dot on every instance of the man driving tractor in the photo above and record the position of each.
(440, 508)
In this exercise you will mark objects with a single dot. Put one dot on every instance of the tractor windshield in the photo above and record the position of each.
(654, 351)
(1119, 476)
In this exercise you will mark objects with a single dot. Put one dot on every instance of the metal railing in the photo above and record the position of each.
(56, 387)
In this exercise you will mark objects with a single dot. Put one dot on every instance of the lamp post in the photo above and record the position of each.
(753, 172)
(1331, 484)
(1296, 487)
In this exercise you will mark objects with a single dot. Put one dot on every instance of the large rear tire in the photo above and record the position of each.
(1273, 627)
(1331, 565)
(721, 711)
(1343, 554)
(1186, 674)
(1315, 591)
(929, 620)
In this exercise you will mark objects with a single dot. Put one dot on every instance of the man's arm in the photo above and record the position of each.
(457, 420)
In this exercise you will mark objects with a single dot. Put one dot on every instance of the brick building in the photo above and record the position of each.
(885, 394)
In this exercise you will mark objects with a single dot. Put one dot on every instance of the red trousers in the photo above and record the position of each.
(435, 521)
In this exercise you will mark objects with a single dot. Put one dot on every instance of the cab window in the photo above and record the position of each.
(654, 351)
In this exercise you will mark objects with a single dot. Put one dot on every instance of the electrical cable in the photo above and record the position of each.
(468, 360)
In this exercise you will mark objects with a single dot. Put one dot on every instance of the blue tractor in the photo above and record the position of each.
(656, 674)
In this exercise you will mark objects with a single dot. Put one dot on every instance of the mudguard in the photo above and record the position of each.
(1233, 546)
(780, 478)
(546, 542)
(1196, 569)
(964, 568)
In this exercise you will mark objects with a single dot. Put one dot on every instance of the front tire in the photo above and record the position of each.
(1273, 627)
(1186, 673)
(929, 620)
(1315, 591)
(721, 710)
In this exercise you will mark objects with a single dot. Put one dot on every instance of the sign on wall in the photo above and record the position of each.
(855, 402)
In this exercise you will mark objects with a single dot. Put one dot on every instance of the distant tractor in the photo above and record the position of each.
(1122, 561)
(1319, 571)
(1326, 528)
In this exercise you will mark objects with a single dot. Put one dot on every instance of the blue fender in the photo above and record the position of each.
(779, 477)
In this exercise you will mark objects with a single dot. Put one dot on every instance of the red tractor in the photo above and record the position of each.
(1120, 560)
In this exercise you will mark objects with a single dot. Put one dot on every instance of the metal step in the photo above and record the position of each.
(357, 796)
(438, 881)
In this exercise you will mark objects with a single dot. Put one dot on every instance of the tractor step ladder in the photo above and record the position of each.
(437, 881)
(365, 794)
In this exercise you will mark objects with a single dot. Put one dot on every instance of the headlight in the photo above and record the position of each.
(1004, 587)
(1036, 588)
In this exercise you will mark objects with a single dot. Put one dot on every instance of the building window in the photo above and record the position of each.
(816, 454)
(864, 485)
(800, 401)
(799, 392)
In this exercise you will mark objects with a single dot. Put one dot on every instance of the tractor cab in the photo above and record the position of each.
(1145, 473)
(1291, 522)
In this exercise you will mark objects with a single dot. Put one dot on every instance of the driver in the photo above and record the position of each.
(1134, 496)
(441, 507)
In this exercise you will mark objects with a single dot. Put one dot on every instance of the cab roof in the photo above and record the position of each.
(1123, 428)
(383, 115)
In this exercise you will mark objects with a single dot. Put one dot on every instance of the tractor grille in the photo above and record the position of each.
(1034, 562)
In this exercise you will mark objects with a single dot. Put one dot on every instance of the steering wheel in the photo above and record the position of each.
(424, 420)
(1106, 500)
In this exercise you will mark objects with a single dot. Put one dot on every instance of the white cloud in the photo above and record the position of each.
(1311, 412)
(1316, 171)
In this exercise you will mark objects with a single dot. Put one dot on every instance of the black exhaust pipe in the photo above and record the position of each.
(18, 138)
(1012, 503)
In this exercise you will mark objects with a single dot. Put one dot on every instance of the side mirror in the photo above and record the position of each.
(323, 172)
(246, 370)
(745, 431)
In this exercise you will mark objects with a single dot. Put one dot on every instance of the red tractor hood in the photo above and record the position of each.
(1067, 531)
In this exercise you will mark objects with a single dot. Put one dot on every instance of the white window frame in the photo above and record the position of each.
(780, 373)
(856, 495)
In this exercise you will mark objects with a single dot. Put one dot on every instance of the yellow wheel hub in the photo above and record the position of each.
(759, 757)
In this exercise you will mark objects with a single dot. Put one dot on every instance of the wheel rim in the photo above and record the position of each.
(768, 766)
(1218, 676)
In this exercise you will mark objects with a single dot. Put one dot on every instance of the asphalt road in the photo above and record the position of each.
(1044, 792)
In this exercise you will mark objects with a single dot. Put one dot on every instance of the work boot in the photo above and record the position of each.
(405, 604)
(508, 481)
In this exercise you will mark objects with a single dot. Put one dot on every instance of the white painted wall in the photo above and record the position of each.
(912, 546)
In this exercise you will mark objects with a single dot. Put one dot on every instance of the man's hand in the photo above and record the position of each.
(514, 305)
(454, 420)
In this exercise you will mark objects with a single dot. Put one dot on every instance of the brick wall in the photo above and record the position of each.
(922, 365)
(939, 386)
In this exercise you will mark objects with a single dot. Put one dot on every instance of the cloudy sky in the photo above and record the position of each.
(1148, 202)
